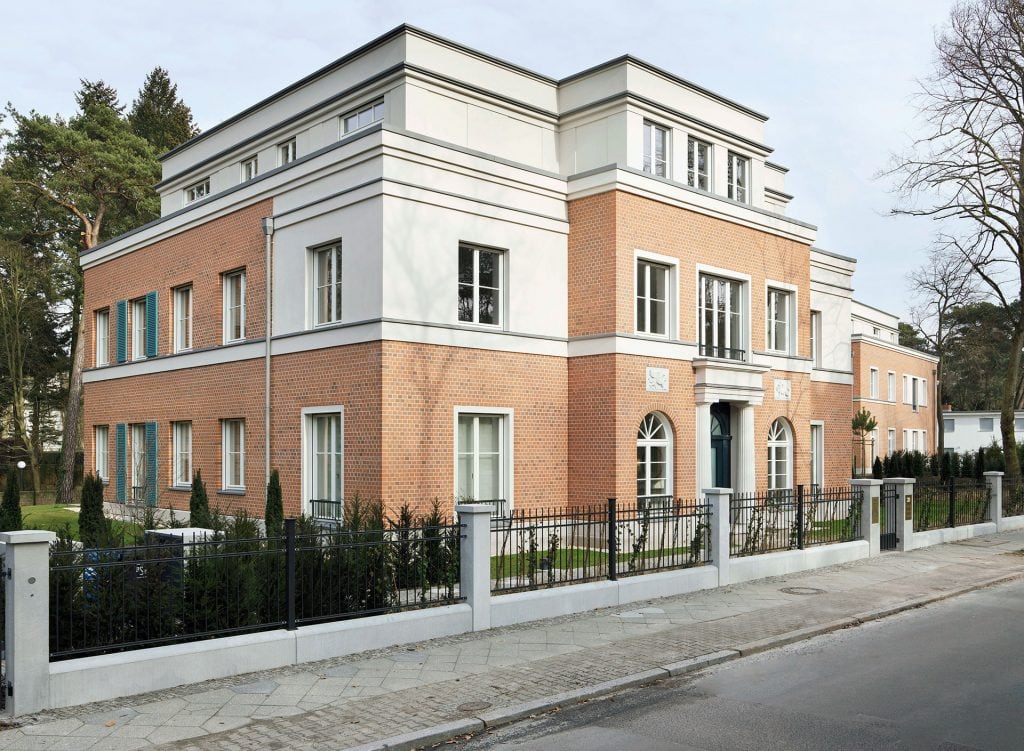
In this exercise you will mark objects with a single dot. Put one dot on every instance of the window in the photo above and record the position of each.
(183, 318)
(816, 337)
(653, 457)
(102, 452)
(915, 388)
(1018, 425)
(737, 177)
(181, 438)
(698, 164)
(479, 285)
(233, 454)
(780, 449)
(200, 190)
(720, 325)
(779, 314)
(233, 292)
(923, 389)
(481, 457)
(873, 445)
(924, 441)
(906, 440)
(985, 424)
(913, 441)
(873, 385)
(817, 455)
(655, 149)
(892, 441)
(326, 474)
(892, 386)
(138, 329)
(652, 301)
(250, 168)
(102, 337)
(875, 331)
(906, 389)
(948, 425)
(286, 152)
(138, 461)
(327, 285)
(364, 116)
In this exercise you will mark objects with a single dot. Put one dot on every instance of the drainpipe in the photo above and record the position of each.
(268, 232)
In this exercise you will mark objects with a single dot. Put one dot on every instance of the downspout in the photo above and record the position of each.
(268, 233)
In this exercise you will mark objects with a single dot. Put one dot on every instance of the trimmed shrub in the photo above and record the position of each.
(10, 509)
(93, 527)
(273, 515)
(199, 503)
(876, 469)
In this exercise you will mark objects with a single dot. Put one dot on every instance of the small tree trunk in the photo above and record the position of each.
(1009, 402)
(72, 417)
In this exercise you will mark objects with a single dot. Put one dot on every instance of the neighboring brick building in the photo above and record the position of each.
(484, 282)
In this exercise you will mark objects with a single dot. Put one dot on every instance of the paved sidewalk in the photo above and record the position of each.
(460, 682)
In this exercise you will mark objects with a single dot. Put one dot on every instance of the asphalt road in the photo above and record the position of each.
(949, 676)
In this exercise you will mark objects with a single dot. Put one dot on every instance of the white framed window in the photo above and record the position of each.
(181, 451)
(324, 461)
(816, 337)
(654, 457)
(197, 191)
(286, 152)
(363, 116)
(480, 276)
(326, 284)
(137, 452)
(891, 383)
(483, 456)
(102, 338)
(183, 318)
(721, 318)
(1018, 425)
(873, 446)
(780, 455)
(892, 441)
(914, 446)
(924, 441)
(233, 454)
(818, 454)
(655, 149)
(873, 383)
(653, 297)
(906, 440)
(915, 391)
(738, 177)
(875, 331)
(233, 295)
(906, 389)
(780, 313)
(250, 168)
(698, 163)
(923, 384)
(986, 424)
(138, 327)
(949, 425)
(101, 450)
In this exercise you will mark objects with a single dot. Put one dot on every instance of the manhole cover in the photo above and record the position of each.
(802, 591)
(474, 706)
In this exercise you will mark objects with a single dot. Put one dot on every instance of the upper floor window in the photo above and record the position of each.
(250, 168)
(183, 318)
(181, 446)
(655, 149)
(102, 336)
(286, 152)
(891, 386)
(652, 298)
(233, 293)
(779, 316)
(233, 454)
(327, 284)
(738, 177)
(721, 318)
(364, 116)
(985, 424)
(948, 425)
(873, 383)
(479, 285)
(698, 164)
(139, 328)
(200, 190)
(815, 342)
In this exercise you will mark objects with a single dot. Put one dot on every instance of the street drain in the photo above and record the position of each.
(474, 706)
(802, 591)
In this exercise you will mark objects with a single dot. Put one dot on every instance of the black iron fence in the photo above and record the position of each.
(1013, 498)
(954, 503)
(544, 548)
(793, 519)
(118, 599)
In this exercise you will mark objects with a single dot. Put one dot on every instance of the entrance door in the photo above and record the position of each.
(721, 446)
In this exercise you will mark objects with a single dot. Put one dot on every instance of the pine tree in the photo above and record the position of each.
(199, 504)
(10, 509)
(274, 514)
(876, 469)
(93, 526)
(159, 115)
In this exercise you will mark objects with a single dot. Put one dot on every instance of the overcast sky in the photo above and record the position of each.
(835, 78)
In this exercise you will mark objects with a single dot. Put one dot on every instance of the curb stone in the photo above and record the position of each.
(506, 715)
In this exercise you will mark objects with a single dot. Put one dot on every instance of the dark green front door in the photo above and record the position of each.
(721, 446)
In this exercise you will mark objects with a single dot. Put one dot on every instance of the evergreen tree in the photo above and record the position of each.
(159, 115)
(10, 509)
(93, 526)
(97, 93)
(876, 469)
(946, 467)
(274, 513)
(199, 504)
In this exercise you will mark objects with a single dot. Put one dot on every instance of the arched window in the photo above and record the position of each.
(654, 457)
(780, 455)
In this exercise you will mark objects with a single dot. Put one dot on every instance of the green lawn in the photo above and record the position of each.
(55, 518)
(513, 564)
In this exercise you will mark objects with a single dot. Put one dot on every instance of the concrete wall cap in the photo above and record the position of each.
(717, 491)
(27, 535)
(474, 508)
(866, 481)
(899, 480)
(993, 473)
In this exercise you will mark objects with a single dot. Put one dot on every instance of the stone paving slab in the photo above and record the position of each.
(360, 699)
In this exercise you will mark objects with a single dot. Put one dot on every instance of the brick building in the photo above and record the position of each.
(483, 282)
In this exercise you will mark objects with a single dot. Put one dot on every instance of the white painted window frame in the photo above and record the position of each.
(249, 168)
(734, 161)
(744, 280)
(891, 438)
(671, 287)
(792, 293)
(182, 335)
(815, 341)
(306, 430)
(777, 444)
(181, 446)
(227, 451)
(873, 382)
(692, 174)
(503, 294)
(101, 320)
(197, 191)
(286, 152)
(655, 128)
(101, 451)
(817, 441)
(360, 110)
(138, 328)
(508, 448)
(336, 283)
(226, 302)
(890, 383)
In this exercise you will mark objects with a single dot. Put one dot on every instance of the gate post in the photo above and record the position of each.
(869, 512)
(994, 480)
(27, 614)
(475, 561)
(904, 491)
(720, 500)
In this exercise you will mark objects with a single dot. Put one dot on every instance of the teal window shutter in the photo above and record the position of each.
(151, 324)
(120, 451)
(151, 464)
(121, 308)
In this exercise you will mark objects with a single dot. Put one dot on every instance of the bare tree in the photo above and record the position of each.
(967, 171)
(940, 286)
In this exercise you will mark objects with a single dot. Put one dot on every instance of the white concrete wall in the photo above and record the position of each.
(967, 434)
(952, 534)
(790, 561)
(831, 295)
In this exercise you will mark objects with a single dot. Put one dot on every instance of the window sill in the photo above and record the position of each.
(232, 341)
(231, 491)
(179, 488)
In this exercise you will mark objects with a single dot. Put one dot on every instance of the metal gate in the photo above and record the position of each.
(889, 522)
